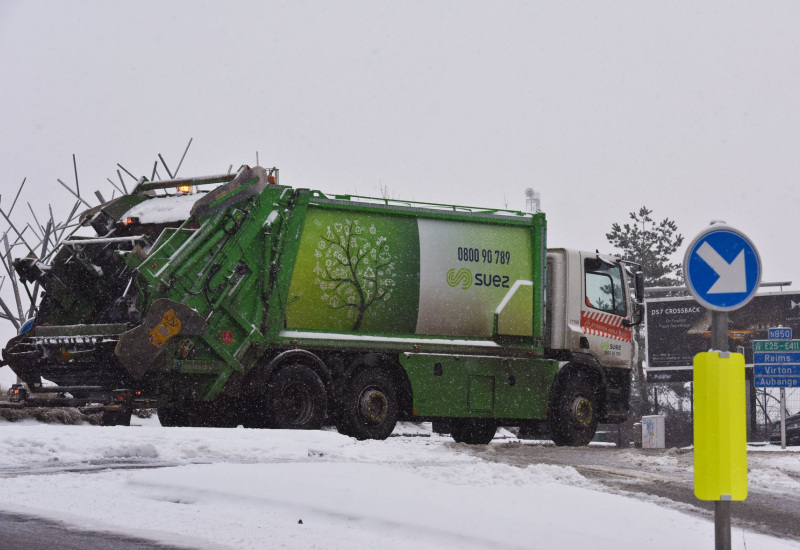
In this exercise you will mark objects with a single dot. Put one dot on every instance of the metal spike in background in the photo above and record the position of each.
(49, 237)
(75, 165)
(115, 185)
(19, 234)
(122, 182)
(10, 210)
(78, 195)
(165, 167)
(32, 307)
(183, 156)
(14, 285)
(127, 172)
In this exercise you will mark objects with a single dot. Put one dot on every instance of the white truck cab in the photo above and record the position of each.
(593, 303)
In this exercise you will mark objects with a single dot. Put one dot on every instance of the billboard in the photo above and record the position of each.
(679, 328)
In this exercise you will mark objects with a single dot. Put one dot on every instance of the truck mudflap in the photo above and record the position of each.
(138, 348)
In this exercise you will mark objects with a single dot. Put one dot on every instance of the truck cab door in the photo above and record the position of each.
(606, 313)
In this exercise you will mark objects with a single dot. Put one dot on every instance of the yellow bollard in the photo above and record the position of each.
(720, 428)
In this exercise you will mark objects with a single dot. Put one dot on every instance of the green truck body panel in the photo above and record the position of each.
(374, 272)
(467, 386)
(367, 271)
(447, 300)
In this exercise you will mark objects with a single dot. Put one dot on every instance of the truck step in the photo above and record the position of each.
(55, 402)
(67, 389)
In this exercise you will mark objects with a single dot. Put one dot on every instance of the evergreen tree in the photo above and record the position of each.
(651, 245)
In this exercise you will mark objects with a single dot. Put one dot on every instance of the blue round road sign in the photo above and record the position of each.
(722, 268)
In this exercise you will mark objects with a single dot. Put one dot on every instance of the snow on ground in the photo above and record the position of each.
(635, 459)
(249, 489)
(771, 473)
(771, 448)
(773, 480)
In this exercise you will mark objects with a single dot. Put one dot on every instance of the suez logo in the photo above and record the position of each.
(465, 279)
(611, 350)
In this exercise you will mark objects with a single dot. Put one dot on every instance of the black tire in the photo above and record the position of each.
(441, 427)
(116, 418)
(369, 406)
(294, 399)
(201, 415)
(473, 431)
(172, 417)
(573, 415)
(217, 415)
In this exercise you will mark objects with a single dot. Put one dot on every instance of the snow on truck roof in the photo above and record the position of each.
(178, 208)
(166, 209)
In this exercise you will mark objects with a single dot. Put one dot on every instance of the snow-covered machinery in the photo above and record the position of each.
(268, 306)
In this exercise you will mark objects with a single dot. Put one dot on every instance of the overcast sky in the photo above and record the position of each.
(689, 108)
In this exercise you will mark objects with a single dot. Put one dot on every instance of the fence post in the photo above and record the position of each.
(655, 399)
(766, 423)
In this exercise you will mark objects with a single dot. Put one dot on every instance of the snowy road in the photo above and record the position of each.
(772, 505)
(213, 489)
(31, 533)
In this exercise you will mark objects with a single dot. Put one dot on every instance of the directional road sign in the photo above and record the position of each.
(776, 363)
(722, 268)
(779, 333)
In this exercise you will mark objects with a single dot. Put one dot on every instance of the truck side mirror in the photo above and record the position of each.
(638, 306)
(640, 287)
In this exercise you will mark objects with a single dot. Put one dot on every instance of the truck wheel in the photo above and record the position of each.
(441, 427)
(217, 415)
(295, 399)
(172, 417)
(116, 418)
(473, 431)
(369, 406)
(573, 420)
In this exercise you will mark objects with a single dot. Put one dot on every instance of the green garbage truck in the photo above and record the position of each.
(258, 304)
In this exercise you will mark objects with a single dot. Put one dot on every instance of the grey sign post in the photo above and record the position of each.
(722, 270)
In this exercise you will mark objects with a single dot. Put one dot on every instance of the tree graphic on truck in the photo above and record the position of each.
(354, 268)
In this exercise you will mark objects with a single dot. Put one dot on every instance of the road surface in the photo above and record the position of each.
(668, 473)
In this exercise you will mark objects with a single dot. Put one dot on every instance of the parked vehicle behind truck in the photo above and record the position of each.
(273, 307)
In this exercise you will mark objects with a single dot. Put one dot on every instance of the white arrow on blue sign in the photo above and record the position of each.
(722, 268)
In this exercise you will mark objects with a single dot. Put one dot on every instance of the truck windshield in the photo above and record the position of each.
(604, 289)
